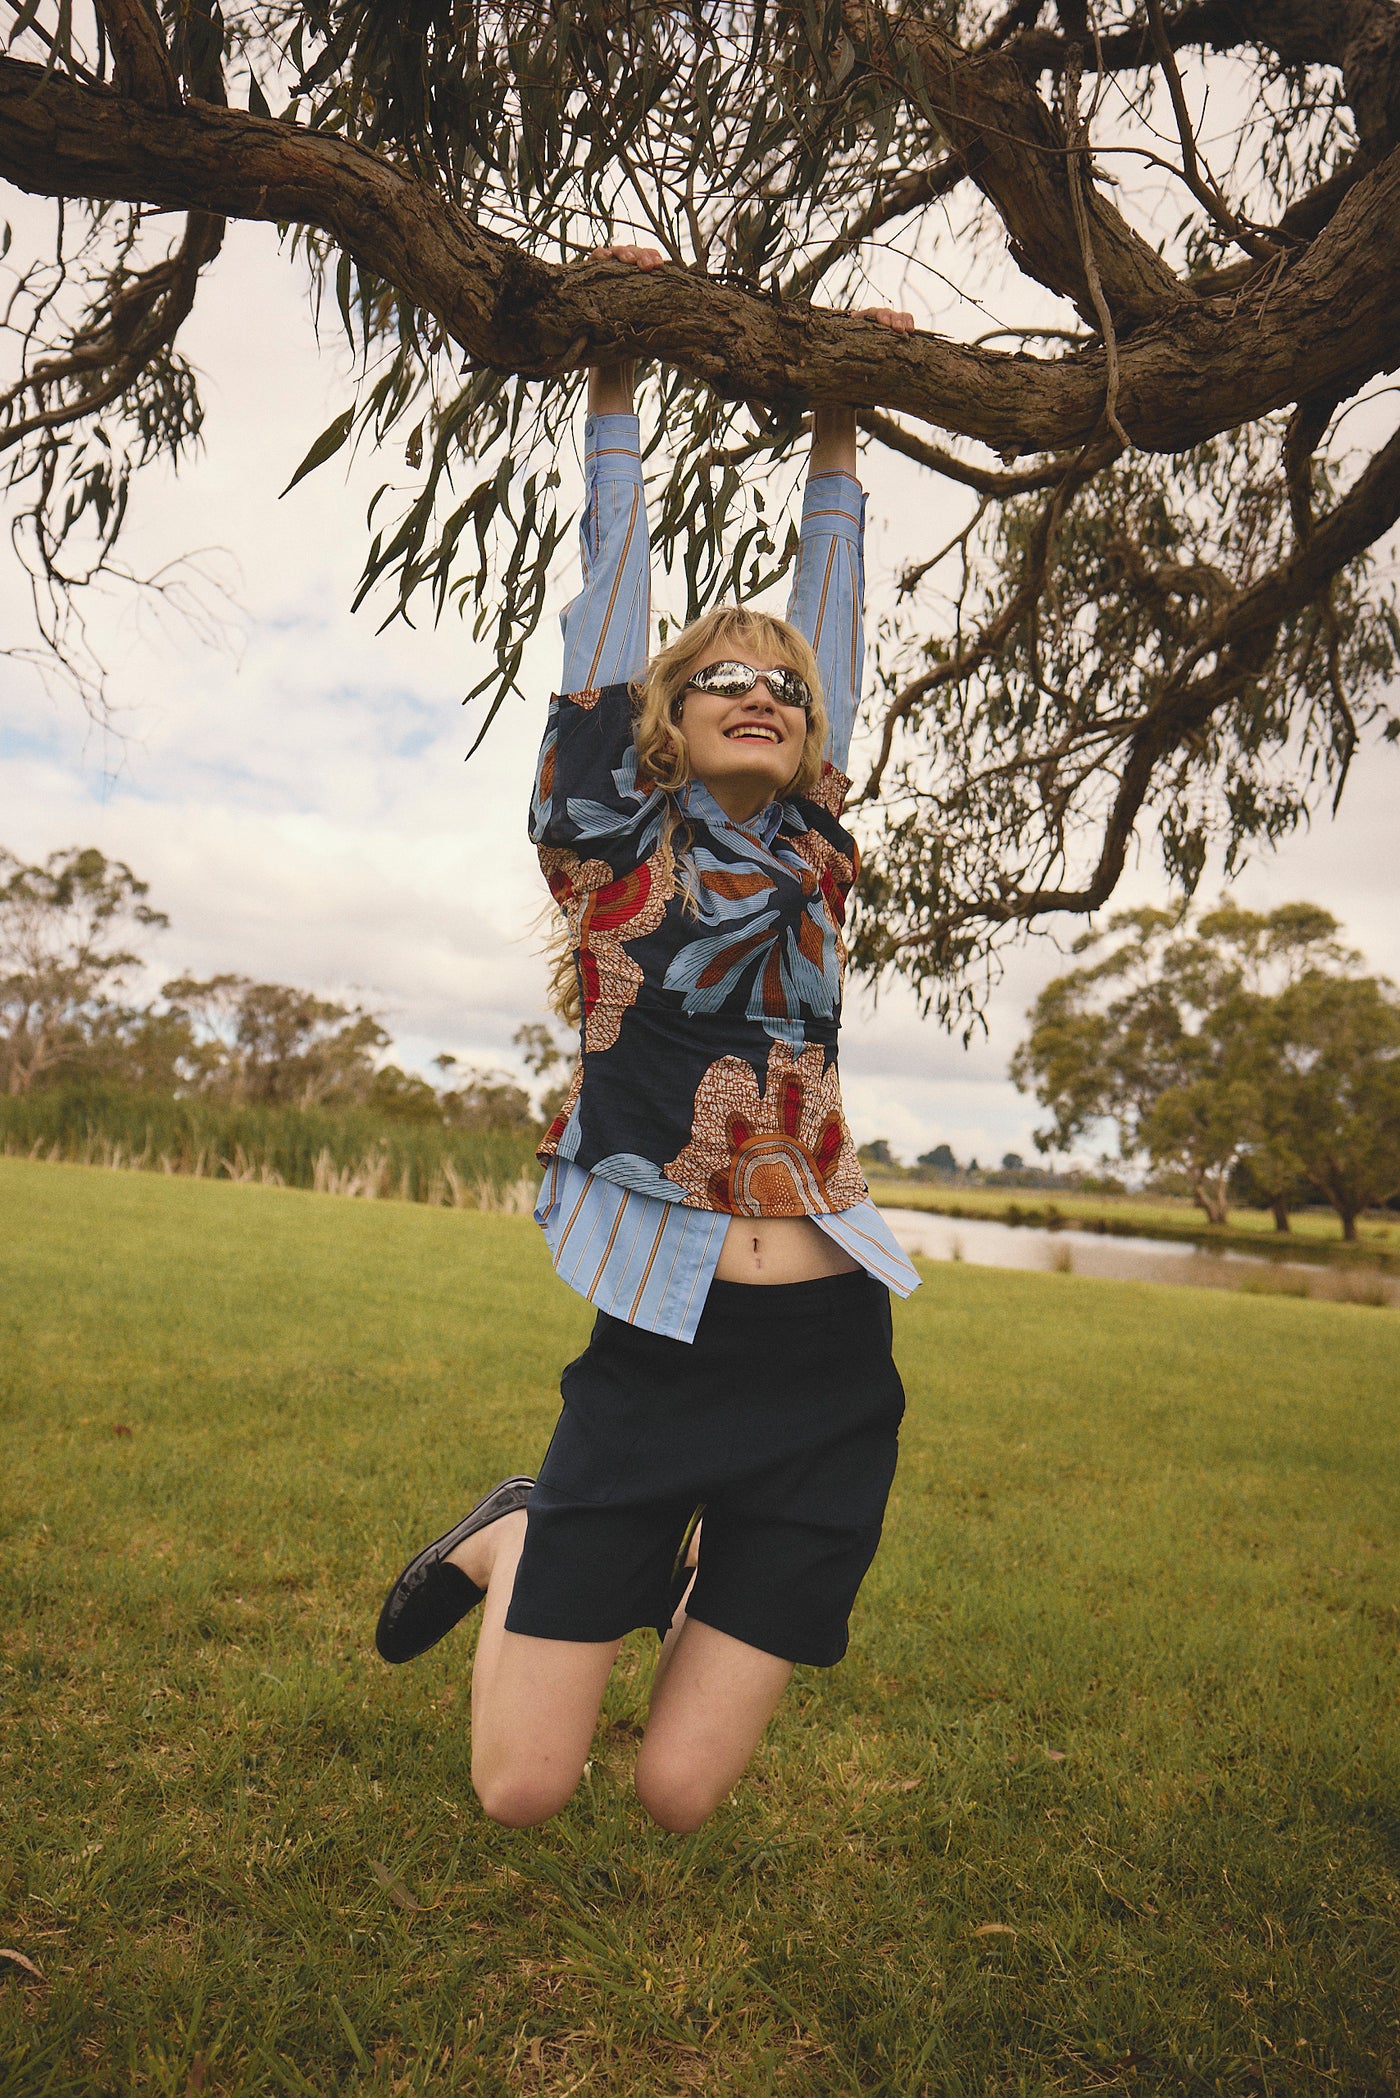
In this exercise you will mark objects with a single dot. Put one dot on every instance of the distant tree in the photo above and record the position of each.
(149, 1049)
(540, 1048)
(271, 1042)
(63, 964)
(403, 1095)
(62, 957)
(1269, 1177)
(940, 1159)
(542, 1053)
(1012, 1162)
(1336, 1042)
(878, 1154)
(1169, 1035)
(488, 1100)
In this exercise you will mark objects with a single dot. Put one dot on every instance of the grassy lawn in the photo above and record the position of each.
(1104, 1798)
(1315, 1230)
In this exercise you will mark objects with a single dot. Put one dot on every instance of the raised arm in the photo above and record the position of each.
(828, 587)
(607, 627)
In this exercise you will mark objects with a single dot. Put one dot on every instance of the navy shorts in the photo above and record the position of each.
(780, 1420)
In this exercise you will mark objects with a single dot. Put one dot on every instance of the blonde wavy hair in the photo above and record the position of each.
(663, 756)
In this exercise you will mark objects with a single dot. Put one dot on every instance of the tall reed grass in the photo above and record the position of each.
(351, 1151)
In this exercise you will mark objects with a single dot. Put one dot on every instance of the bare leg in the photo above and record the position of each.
(668, 1644)
(534, 1701)
(713, 1698)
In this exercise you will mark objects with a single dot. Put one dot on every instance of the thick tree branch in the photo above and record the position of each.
(1305, 31)
(1360, 37)
(141, 61)
(1017, 153)
(1332, 321)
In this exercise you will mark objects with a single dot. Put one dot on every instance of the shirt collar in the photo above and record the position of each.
(697, 800)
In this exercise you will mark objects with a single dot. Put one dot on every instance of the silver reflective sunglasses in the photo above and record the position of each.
(733, 680)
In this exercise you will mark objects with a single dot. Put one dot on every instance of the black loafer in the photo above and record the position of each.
(429, 1596)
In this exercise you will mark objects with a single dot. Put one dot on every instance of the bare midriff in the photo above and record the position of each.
(779, 1249)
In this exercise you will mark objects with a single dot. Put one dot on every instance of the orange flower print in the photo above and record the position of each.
(602, 912)
(555, 1131)
(831, 790)
(784, 1152)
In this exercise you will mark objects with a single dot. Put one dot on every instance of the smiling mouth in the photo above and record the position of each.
(752, 732)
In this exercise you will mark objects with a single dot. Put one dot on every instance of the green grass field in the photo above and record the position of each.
(1106, 1796)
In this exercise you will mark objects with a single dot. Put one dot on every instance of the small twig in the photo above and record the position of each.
(1076, 336)
(986, 480)
(909, 194)
(1199, 180)
(989, 640)
(912, 577)
(1077, 134)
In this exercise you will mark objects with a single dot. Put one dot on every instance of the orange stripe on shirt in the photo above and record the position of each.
(646, 1271)
(617, 585)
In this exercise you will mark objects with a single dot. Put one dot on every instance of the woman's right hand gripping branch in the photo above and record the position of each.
(610, 386)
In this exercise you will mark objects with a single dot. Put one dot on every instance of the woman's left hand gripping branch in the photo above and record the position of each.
(610, 386)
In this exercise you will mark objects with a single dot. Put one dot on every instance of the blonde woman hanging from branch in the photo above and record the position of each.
(728, 1437)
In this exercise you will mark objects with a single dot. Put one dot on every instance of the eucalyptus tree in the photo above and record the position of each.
(1137, 595)
(1207, 1043)
(1336, 1049)
(64, 929)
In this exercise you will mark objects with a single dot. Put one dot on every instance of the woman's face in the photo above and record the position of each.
(744, 750)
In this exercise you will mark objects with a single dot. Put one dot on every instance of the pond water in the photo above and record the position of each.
(988, 1244)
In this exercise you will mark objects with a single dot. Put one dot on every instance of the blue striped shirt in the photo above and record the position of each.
(641, 1259)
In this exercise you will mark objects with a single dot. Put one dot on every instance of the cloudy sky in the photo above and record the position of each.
(300, 806)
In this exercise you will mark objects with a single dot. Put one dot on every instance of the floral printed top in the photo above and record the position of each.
(708, 1066)
(639, 1242)
(643, 1255)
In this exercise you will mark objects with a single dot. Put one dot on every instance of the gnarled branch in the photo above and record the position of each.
(1331, 321)
(1016, 151)
(141, 61)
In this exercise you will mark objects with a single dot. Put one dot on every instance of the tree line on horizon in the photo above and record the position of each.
(1241, 1056)
(67, 929)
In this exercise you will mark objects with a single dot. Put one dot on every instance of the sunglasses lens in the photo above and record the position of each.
(788, 687)
(732, 680)
(725, 680)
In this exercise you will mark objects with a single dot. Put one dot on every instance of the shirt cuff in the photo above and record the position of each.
(835, 503)
(612, 447)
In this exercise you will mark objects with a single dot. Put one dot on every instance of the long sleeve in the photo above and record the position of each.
(607, 626)
(828, 596)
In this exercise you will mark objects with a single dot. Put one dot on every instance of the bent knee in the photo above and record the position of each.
(677, 1800)
(521, 1801)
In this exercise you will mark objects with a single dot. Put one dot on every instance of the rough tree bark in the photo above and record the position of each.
(1205, 366)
